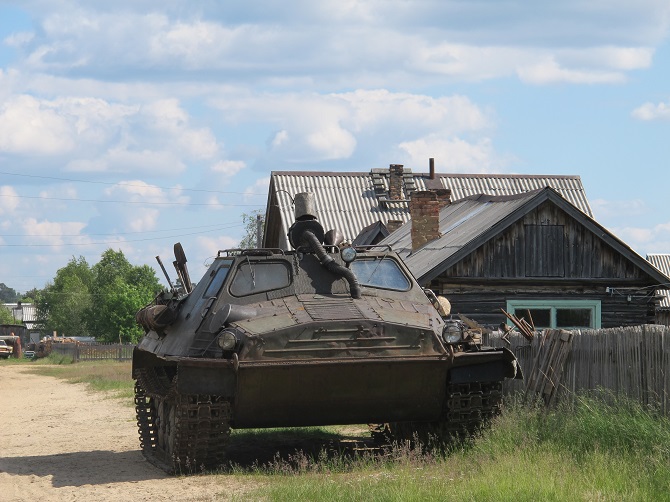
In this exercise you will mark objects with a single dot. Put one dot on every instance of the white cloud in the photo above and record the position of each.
(615, 209)
(261, 186)
(616, 58)
(550, 72)
(279, 138)
(9, 200)
(574, 41)
(145, 204)
(99, 135)
(18, 39)
(168, 119)
(228, 167)
(651, 111)
(316, 127)
(206, 249)
(124, 160)
(31, 126)
(645, 240)
(54, 233)
(380, 108)
(453, 154)
(142, 221)
(138, 190)
(626, 218)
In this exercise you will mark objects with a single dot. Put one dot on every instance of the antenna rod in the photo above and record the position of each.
(158, 258)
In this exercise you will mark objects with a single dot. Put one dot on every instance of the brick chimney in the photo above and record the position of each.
(424, 208)
(395, 181)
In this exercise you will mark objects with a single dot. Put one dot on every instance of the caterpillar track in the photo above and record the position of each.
(179, 433)
(467, 409)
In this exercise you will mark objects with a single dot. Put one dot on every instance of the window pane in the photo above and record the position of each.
(252, 278)
(539, 318)
(217, 281)
(573, 318)
(383, 273)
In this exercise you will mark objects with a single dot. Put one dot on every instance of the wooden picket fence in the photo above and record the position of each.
(94, 351)
(628, 361)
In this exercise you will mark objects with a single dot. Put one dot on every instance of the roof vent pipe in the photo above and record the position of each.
(305, 206)
(431, 164)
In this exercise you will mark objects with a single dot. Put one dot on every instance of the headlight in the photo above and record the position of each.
(227, 340)
(452, 333)
(452, 337)
(348, 254)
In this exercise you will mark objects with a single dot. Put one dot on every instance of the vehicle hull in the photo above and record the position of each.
(315, 392)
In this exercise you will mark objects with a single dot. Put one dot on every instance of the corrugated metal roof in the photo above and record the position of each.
(662, 262)
(347, 200)
(464, 185)
(460, 223)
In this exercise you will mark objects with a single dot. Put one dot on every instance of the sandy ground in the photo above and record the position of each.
(60, 442)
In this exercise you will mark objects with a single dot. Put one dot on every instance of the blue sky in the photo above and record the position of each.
(137, 124)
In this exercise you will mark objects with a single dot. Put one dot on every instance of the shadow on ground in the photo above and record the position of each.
(272, 450)
(250, 450)
(84, 467)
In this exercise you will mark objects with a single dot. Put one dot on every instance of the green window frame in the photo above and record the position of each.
(558, 313)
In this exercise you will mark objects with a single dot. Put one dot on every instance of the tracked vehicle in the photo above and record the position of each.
(322, 335)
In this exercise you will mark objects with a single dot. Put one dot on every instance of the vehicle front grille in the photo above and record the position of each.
(323, 309)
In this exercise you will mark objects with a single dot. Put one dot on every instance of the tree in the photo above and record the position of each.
(120, 290)
(29, 296)
(99, 301)
(6, 316)
(7, 294)
(250, 222)
(63, 305)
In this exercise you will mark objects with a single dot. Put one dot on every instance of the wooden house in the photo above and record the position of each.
(534, 254)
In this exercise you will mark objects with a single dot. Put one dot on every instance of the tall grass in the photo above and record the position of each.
(594, 450)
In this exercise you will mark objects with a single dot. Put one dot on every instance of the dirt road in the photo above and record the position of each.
(59, 441)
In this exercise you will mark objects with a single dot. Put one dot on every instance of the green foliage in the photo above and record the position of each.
(29, 296)
(607, 423)
(250, 226)
(62, 306)
(120, 289)
(99, 301)
(6, 316)
(7, 294)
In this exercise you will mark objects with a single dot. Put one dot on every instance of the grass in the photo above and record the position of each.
(599, 448)
(105, 376)
(592, 451)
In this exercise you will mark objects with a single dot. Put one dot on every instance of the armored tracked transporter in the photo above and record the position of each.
(322, 335)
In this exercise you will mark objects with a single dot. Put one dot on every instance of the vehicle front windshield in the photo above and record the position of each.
(258, 277)
(380, 272)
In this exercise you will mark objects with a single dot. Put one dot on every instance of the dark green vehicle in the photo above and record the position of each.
(322, 335)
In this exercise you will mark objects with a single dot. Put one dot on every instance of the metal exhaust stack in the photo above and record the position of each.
(307, 232)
